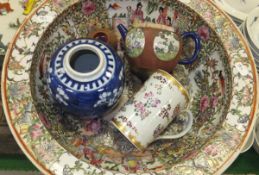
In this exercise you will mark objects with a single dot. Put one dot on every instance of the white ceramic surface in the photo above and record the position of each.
(255, 51)
(142, 119)
(249, 142)
(11, 17)
(238, 8)
(252, 27)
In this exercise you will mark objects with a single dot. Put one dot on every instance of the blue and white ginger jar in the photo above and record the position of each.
(86, 78)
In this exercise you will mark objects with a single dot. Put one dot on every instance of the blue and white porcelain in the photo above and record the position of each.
(91, 92)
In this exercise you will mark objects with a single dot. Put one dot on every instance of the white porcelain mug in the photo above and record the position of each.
(143, 118)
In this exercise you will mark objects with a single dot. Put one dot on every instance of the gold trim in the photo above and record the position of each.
(129, 136)
(175, 83)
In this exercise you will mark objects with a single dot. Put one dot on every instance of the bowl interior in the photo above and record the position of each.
(208, 82)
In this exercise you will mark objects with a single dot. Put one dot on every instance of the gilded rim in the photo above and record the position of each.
(176, 83)
(129, 136)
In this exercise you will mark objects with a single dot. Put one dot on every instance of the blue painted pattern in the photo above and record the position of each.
(88, 98)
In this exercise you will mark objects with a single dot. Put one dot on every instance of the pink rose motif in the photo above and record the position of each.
(88, 153)
(92, 127)
(204, 103)
(204, 32)
(88, 7)
(142, 110)
(36, 132)
(155, 102)
(148, 94)
(42, 149)
(211, 150)
(139, 106)
(214, 101)
(207, 15)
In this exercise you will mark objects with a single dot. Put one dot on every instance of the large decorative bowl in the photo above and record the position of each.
(222, 85)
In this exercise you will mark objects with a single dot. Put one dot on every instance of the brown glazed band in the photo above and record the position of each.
(148, 59)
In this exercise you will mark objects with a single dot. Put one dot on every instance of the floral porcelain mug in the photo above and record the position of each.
(143, 118)
(86, 78)
(155, 46)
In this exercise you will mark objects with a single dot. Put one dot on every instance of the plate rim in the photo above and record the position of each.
(230, 10)
(249, 29)
(5, 104)
(42, 167)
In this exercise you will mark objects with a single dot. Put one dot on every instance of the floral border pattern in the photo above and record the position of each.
(51, 158)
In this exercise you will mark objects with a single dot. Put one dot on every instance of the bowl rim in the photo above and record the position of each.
(40, 166)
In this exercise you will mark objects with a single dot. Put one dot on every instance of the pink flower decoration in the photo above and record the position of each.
(204, 103)
(214, 101)
(207, 15)
(140, 106)
(149, 94)
(155, 102)
(142, 110)
(88, 7)
(93, 126)
(211, 150)
(204, 32)
(36, 132)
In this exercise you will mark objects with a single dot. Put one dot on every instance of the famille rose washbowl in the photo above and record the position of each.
(221, 84)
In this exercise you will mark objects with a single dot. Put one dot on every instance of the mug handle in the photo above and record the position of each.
(196, 38)
(181, 134)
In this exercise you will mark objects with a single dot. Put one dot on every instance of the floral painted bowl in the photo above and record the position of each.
(222, 85)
